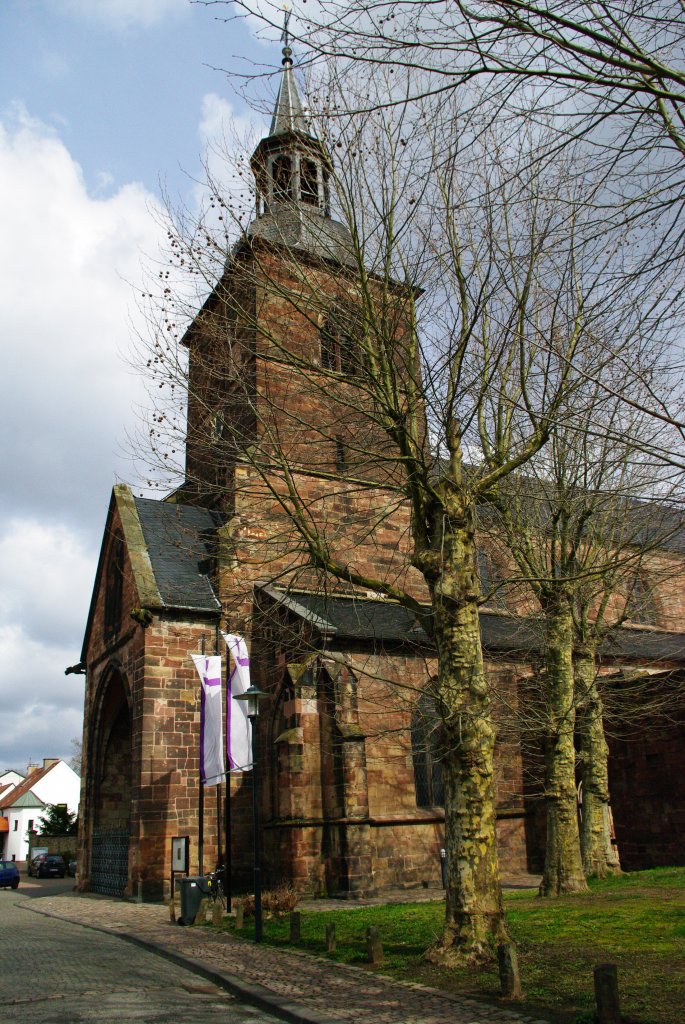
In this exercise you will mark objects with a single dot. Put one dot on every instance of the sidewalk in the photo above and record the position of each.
(294, 986)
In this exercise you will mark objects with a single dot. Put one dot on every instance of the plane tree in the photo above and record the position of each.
(393, 388)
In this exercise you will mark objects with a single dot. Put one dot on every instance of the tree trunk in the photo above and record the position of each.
(599, 853)
(474, 914)
(563, 864)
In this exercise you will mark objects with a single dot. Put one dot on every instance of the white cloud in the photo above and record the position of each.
(44, 569)
(67, 312)
(41, 708)
(66, 305)
(228, 140)
(124, 14)
(66, 267)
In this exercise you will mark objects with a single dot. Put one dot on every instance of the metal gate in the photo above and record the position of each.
(109, 861)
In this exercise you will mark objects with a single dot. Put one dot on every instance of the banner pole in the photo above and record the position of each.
(227, 793)
(201, 802)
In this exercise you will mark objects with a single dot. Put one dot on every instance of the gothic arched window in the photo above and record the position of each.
(640, 607)
(425, 736)
(491, 575)
(114, 585)
(340, 341)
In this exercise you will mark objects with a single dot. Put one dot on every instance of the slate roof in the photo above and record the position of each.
(288, 115)
(361, 619)
(302, 227)
(177, 540)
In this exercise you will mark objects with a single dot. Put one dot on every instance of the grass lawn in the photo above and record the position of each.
(636, 921)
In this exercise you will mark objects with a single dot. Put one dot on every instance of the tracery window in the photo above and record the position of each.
(492, 575)
(340, 341)
(425, 746)
(114, 584)
(640, 606)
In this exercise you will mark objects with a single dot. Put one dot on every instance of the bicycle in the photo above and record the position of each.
(215, 886)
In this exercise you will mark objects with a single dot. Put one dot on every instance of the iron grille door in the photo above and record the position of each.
(109, 861)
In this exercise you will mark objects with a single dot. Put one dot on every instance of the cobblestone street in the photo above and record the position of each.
(55, 972)
(291, 985)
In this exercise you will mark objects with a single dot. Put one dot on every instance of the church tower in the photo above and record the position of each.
(286, 306)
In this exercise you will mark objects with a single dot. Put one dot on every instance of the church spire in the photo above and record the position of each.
(292, 169)
(288, 115)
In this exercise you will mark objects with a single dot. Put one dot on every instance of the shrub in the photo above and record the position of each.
(275, 902)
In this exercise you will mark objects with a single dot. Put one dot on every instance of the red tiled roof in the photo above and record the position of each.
(27, 785)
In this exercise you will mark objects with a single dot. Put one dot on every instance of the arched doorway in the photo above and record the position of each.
(111, 807)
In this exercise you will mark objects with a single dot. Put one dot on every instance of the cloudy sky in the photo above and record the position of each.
(104, 105)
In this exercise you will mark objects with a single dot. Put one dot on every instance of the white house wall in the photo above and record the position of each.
(20, 818)
(61, 785)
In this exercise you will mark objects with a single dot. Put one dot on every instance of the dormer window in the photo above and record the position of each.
(282, 173)
(309, 182)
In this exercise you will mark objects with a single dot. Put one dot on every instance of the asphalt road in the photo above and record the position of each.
(54, 972)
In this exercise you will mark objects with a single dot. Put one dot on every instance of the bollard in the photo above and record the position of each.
(239, 913)
(172, 910)
(294, 926)
(606, 994)
(374, 947)
(217, 914)
(508, 963)
(330, 938)
(201, 915)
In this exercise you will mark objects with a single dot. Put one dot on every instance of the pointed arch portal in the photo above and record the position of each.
(111, 765)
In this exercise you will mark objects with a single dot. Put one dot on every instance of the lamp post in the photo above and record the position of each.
(252, 696)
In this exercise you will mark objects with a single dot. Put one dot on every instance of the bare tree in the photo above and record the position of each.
(609, 74)
(579, 528)
(356, 394)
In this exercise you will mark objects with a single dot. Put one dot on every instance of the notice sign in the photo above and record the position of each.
(180, 854)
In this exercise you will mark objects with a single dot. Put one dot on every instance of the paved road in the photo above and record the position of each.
(55, 972)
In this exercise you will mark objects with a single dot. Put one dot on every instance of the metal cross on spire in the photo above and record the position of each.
(285, 34)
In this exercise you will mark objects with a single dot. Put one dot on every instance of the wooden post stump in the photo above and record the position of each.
(217, 914)
(509, 977)
(172, 910)
(330, 938)
(201, 915)
(374, 946)
(606, 994)
(295, 931)
(239, 914)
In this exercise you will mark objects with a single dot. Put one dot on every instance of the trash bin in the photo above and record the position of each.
(443, 867)
(193, 890)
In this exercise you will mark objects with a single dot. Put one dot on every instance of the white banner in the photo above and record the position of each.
(211, 738)
(238, 726)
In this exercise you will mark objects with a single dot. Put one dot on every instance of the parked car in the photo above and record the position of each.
(47, 865)
(9, 874)
(71, 868)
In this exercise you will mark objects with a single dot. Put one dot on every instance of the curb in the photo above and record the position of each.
(264, 999)
(255, 995)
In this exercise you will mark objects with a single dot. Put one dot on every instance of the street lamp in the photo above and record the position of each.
(252, 696)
